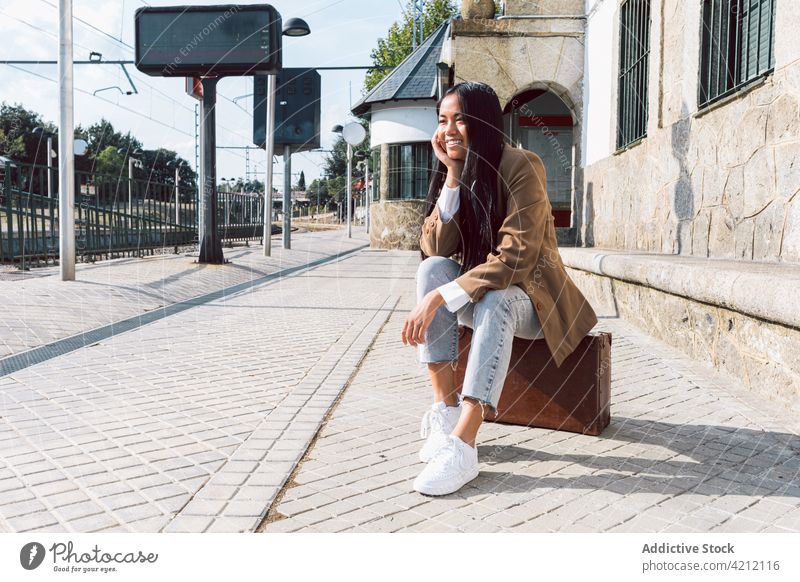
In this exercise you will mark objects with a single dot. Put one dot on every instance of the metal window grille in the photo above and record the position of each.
(409, 170)
(737, 45)
(375, 175)
(634, 51)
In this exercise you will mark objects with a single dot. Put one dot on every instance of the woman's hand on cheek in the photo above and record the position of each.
(441, 153)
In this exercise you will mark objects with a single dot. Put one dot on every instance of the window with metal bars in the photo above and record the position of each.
(634, 52)
(738, 45)
(375, 175)
(410, 166)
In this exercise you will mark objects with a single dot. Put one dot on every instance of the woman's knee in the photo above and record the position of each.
(437, 269)
(494, 298)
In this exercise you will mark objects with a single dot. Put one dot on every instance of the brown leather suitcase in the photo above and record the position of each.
(574, 397)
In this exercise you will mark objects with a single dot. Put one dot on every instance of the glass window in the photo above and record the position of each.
(634, 51)
(738, 41)
(409, 170)
(375, 175)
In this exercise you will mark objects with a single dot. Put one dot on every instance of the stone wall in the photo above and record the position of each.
(528, 7)
(518, 55)
(764, 356)
(721, 182)
(396, 224)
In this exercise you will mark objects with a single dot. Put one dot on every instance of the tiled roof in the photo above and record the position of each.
(414, 78)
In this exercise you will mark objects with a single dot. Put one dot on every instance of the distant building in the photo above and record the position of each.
(402, 114)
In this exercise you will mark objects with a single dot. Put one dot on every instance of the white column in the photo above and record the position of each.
(66, 145)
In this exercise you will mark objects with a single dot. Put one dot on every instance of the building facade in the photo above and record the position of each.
(402, 114)
(683, 214)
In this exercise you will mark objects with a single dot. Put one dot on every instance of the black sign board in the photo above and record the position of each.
(297, 109)
(229, 39)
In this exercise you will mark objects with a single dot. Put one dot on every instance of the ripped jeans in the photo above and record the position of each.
(495, 319)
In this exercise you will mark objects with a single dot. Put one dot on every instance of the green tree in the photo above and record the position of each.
(392, 50)
(335, 168)
(159, 167)
(301, 183)
(12, 148)
(254, 185)
(103, 134)
(336, 159)
(110, 164)
(336, 188)
(321, 185)
(17, 139)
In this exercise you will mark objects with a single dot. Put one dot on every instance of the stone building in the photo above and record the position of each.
(669, 132)
(691, 168)
(533, 57)
(402, 114)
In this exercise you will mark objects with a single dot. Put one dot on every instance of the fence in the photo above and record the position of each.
(114, 216)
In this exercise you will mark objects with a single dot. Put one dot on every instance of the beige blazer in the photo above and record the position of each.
(526, 254)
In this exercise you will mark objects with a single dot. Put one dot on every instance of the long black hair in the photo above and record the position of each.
(479, 205)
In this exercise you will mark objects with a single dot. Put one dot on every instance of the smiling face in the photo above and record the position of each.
(452, 130)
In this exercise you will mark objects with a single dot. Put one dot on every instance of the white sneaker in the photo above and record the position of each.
(437, 422)
(454, 465)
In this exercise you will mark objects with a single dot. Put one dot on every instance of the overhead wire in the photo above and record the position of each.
(152, 88)
(132, 48)
(139, 113)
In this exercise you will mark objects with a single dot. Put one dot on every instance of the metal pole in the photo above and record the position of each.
(130, 189)
(227, 200)
(177, 194)
(269, 147)
(49, 166)
(50, 182)
(66, 145)
(287, 196)
(210, 244)
(414, 19)
(366, 193)
(348, 189)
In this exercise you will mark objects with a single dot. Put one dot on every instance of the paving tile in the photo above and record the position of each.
(182, 439)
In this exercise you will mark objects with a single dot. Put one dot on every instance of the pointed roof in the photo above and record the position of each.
(414, 78)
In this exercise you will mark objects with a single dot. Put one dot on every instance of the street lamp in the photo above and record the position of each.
(41, 132)
(293, 27)
(353, 133)
(79, 149)
(227, 198)
(133, 160)
(364, 162)
(296, 27)
(177, 165)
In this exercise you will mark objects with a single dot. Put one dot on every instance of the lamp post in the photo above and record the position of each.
(364, 157)
(353, 133)
(293, 27)
(79, 147)
(177, 165)
(133, 160)
(227, 199)
(41, 132)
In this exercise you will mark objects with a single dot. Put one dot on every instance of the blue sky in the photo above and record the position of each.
(342, 34)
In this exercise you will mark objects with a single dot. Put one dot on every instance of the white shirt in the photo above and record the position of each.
(454, 295)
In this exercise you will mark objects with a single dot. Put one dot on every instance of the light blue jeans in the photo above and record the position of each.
(495, 319)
